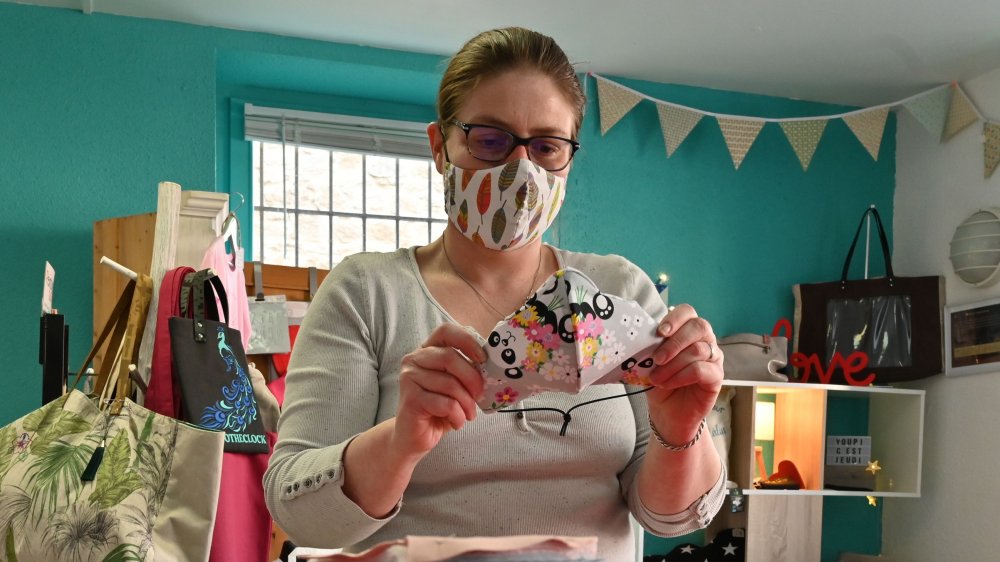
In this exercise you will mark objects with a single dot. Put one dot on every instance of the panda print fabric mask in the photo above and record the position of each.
(567, 336)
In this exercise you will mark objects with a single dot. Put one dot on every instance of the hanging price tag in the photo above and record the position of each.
(47, 288)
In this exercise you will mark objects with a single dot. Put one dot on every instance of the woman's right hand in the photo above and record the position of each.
(439, 384)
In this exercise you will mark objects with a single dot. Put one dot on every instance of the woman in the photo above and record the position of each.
(380, 436)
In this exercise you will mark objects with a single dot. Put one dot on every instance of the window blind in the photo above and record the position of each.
(389, 137)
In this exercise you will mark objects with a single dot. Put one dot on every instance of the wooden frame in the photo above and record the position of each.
(972, 338)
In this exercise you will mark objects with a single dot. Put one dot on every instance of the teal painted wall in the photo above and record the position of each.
(94, 111)
(733, 241)
(97, 109)
(849, 523)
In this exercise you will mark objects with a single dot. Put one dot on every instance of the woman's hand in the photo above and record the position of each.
(688, 375)
(438, 387)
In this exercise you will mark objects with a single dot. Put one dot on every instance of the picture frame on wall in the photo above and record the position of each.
(972, 338)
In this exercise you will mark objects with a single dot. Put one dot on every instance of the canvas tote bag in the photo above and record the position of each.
(104, 479)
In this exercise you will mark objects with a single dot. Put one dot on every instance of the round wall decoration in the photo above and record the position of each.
(975, 248)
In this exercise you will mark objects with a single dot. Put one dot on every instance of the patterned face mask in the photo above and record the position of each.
(505, 207)
(567, 336)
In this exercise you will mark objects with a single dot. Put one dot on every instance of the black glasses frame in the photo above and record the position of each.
(518, 141)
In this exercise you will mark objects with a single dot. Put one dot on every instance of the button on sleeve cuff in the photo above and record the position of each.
(306, 498)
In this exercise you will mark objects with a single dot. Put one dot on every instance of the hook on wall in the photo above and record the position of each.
(242, 201)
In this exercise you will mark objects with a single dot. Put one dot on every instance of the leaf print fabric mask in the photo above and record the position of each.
(568, 335)
(505, 207)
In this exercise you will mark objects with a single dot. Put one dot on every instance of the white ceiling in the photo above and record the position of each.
(855, 52)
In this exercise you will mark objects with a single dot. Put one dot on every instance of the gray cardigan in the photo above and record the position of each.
(502, 474)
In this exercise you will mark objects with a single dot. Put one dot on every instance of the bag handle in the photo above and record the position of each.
(204, 290)
(126, 321)
(885, 248)
(162, 394)
(135, 325)
(192, 296)
(197, 286)
(117, 318)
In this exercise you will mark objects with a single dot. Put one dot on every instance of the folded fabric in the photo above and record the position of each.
(567, 336)
(754, 357)
(526, 548)
(729, 546)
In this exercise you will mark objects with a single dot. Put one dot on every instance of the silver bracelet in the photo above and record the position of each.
(668, 446)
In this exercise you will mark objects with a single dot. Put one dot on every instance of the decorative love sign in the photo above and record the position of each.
(851, 365)
(854, 364)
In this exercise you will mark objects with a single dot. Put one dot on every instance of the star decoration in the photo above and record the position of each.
(729, 549)
(872, 501)
(687, 549)
(873, 467)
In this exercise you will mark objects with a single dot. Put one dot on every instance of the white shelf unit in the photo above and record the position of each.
(786, 525)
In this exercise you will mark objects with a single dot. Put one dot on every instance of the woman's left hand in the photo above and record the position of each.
(687, 377)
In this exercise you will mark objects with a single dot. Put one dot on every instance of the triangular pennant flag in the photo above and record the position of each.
(676, 123)
(614, 102)
(868, 126)
(991, 147)
(804, 136)
(739, 134)
(961, 114)
(931, 109)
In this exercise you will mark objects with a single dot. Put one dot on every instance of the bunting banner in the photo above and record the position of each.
(804, 136)
(991, 148)
(943, 110)
(676, 123)
(931, 109)
(868, 126)
(961, 113)
(614, 102)
(739, 135)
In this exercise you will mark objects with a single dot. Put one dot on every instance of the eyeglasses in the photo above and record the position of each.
(493, 144)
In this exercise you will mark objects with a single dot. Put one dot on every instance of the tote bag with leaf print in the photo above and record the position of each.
(100, 478)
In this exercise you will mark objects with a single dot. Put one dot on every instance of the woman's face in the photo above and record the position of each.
(523, 101)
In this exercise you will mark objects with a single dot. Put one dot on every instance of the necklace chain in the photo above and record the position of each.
(534, 278)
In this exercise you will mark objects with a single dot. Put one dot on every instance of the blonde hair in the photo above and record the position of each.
(499, 50)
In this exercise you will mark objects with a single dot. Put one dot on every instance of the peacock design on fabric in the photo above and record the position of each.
(237, 409)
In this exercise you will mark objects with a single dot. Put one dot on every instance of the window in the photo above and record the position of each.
(327, 186)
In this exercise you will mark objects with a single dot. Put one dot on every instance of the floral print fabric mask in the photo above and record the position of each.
(504, 207)
(567, 335)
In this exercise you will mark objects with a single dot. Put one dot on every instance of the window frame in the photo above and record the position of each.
(399, 217)
(234, 149)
